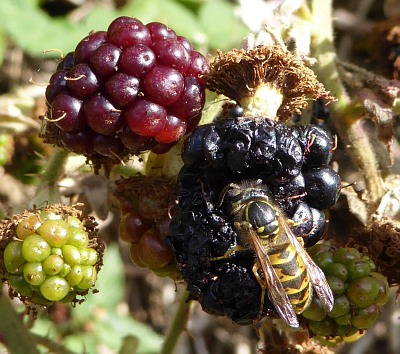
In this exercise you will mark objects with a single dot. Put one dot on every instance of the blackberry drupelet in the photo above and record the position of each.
(136, 87)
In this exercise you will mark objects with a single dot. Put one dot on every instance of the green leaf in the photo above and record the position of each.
(183, 21)
(85, 344)
(110, 281)
(223, 27)
(2, 47)
(110, 285)
(34, 31)
(113, 328)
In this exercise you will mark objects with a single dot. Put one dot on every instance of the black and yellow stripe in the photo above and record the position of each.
(293, 275)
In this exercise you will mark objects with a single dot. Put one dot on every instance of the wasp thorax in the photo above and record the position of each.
(263, 218)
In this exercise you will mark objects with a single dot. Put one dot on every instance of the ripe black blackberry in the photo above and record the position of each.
(202, 227)
(129, 89)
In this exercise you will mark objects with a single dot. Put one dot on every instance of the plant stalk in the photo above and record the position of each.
(346, 116)
(13, 332)
(47, 189)
(178, 325)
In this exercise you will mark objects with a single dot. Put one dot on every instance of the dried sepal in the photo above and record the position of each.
(143, 189)
(266, 81)
(275, 340)
(389, 206)
(381, 241)
(377, 97)
(357, 205)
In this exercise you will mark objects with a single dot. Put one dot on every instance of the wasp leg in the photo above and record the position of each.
(229, 252)
(263, 286)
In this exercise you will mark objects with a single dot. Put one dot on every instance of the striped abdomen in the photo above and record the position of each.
(293, 275)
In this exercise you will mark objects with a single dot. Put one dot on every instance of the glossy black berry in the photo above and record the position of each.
(322, 187)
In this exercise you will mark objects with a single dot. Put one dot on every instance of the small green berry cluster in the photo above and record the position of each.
(49, 255)
(358, 289)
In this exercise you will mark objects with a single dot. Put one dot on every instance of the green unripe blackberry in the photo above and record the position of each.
(358, 290)
(13, 258)
(363, 292)
(49, 255)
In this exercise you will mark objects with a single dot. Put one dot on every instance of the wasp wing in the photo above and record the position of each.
(276, 292)
(317, 276)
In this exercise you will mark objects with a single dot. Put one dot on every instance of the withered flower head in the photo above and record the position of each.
(266, 81)
(155, 194)
(381, 240)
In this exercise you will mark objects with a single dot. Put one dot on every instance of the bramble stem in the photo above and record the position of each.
(346, 116)
(13, 333)
(178, 325)
(47, 189)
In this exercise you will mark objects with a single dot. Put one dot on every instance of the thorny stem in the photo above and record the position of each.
(12, 332)
(178, 325)
(346, 115)
(47, 190)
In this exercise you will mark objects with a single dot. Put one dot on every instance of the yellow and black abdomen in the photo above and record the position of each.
(293, 275)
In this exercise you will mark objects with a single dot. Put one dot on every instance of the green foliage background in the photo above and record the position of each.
(209, 24)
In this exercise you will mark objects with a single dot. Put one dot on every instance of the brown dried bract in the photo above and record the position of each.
(238, 73)
(157, 190)
(381, 240)
(383, 43)
(281, 341)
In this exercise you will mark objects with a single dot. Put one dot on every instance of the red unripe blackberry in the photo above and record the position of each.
(146, 118)
(101, 116)
(88, 45)
(145, 204)
(81, 81)
(138, 87)
(137, 60)
(67, 113)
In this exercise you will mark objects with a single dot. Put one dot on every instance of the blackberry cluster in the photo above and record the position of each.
(144, 223)
(359, 292)
(50, 255)
(129, 89)
(292, 161)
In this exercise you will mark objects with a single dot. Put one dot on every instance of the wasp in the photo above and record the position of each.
(282, 266)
